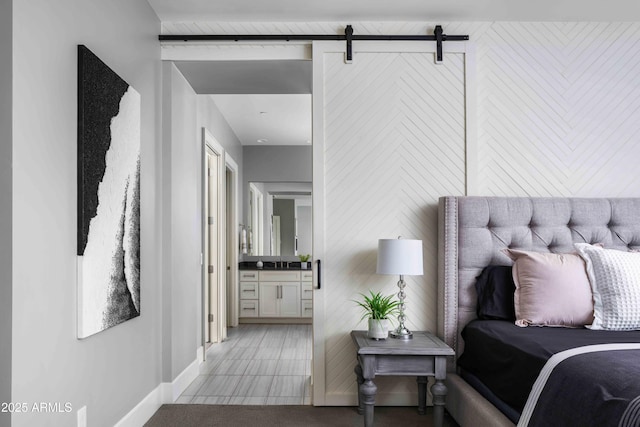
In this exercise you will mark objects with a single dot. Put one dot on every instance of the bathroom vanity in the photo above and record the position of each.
(275, 294)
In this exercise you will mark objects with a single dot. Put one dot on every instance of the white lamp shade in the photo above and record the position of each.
(400, 256)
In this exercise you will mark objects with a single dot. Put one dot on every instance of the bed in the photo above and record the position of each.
(473, 234)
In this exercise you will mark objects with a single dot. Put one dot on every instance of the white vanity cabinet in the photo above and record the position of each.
(279, 299)
(279, 293)
(275, 293)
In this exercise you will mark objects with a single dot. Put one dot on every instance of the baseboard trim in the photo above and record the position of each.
(163, 393)
(185, 378)
(144, 410)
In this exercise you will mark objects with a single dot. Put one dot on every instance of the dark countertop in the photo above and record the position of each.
(271, 266)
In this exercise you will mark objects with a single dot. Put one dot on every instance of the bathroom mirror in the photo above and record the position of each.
(279, 214)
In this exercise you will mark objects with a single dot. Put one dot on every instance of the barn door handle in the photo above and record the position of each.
(319, 273)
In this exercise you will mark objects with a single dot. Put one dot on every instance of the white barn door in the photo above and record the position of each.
(390, 136)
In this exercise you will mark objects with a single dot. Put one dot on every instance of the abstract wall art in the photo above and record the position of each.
(108, 197)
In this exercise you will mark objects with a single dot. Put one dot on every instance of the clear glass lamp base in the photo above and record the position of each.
(401, 333)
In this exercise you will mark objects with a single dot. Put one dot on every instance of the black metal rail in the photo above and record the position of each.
(348, 36)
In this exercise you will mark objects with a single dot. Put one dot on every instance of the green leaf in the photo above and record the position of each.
(377, 306)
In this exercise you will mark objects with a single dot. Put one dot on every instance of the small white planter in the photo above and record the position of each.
(378, 329)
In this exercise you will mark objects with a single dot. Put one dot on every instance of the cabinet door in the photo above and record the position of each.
(290, 299)
(269, 299)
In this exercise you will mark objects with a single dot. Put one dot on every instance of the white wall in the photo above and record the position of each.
(558, 109)
(6, 75)
(112, 371)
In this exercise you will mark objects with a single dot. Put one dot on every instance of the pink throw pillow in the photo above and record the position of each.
(551, 289)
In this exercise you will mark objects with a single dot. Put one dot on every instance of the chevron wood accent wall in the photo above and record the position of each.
(394, 142)
(559, 109)
(295, 27)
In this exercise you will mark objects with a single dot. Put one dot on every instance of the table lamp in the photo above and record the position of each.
(402, 257)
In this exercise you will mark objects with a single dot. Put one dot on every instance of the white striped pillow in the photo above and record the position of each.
(615, 282)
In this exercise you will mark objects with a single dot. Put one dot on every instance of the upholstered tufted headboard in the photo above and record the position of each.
(472, 231)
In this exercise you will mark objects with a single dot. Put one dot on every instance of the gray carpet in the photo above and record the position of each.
(179, 415)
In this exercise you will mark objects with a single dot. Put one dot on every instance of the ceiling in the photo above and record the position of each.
(268, 119)
(262, 100)
(264, 77)
(398, 10)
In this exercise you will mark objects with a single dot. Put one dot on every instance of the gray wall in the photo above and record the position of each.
(277, 163)
(6, 74)
(185, 113)
(112, 371)
(181, 153)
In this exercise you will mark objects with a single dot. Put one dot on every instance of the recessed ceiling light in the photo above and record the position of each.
(262, 140)
(308, 141)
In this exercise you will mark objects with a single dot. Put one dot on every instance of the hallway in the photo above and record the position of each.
(259, 364)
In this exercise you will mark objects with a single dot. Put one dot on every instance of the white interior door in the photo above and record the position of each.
(213, 244)
(232, 244)
(390, 135)
(214, 295)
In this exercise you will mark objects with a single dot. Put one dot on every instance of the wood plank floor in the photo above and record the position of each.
(256, 365)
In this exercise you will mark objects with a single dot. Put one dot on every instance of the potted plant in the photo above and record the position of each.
(378, 309)
(303, 261)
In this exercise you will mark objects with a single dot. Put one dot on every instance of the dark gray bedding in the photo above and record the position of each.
(507, 359)
(591, 389)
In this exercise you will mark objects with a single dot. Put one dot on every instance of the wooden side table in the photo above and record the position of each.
(423, 356)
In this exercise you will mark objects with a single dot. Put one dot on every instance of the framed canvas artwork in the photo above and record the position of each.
(108, 197)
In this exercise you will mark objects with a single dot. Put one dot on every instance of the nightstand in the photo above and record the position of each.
(423, 356)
